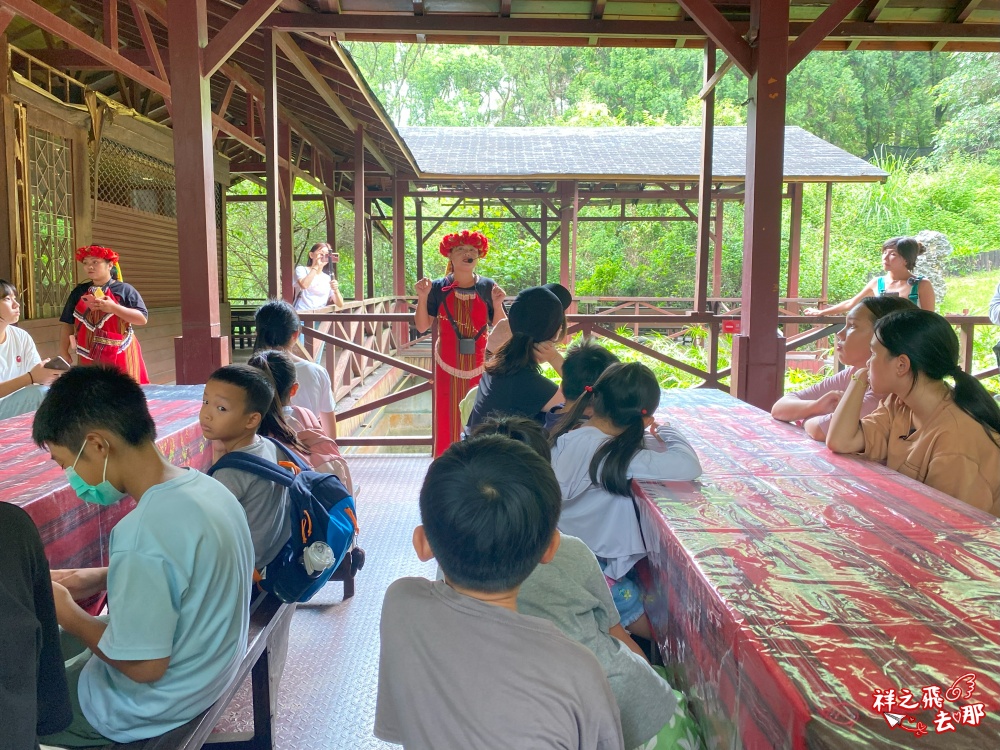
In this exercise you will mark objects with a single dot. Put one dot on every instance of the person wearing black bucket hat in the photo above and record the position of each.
(513, 382)
(501, 332)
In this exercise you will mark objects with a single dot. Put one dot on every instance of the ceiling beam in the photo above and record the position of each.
(109, 31)
(598, 12)
(46, 21)
(236, 31)
(304, 65)
(964, 9)
(873, 9)
(718, 28)
(76, 59)
(148, 40)
(818, 30)
(440, 24)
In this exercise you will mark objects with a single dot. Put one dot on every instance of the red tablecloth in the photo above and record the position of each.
(790, 585)
(76, 534)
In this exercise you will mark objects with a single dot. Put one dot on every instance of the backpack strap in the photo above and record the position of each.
(261, 467)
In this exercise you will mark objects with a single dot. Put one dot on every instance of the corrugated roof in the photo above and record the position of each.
(621, 152)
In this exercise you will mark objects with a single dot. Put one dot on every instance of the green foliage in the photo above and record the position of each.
(972, 94)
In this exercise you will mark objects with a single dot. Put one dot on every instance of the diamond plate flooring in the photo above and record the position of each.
(327, 695)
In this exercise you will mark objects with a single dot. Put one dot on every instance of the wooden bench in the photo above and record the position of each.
(268, 616)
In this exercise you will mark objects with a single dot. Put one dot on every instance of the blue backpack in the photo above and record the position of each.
(324, 524)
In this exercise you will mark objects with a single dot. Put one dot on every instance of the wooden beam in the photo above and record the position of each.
(304, 65)
(712, 82)
(359, 214)
(236, 31)
(705, 181)
(224, 106)
(76, 59)
(873, 9)
(505, 8)
(148, 40)
(816, 32)
(598, 12)
(110, 30)
(51, 23)
(964, 9)
(269, 124)
(720, 31)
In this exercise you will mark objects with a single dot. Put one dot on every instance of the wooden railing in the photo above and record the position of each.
(355, 341)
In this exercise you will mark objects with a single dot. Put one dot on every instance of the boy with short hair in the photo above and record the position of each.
(583, 365)
(180, 572)
(458, 666)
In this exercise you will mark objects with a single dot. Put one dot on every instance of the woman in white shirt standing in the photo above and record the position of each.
(22, 371)
(316, 287)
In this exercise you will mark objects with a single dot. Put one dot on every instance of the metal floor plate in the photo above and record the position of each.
(327, 695)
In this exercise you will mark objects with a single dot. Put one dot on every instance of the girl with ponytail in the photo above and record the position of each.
(239, 402)
(596, 463)
(946, 437)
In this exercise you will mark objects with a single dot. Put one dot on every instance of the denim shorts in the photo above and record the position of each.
(627, 598)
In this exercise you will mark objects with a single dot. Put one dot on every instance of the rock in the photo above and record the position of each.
(932, 263)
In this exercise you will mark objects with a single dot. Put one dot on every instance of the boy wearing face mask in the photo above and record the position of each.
(179, 577)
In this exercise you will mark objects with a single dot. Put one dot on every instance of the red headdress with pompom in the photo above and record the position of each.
(458, 239)
(105, 253)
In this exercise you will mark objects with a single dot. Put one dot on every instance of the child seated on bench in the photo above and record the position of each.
(596, 463)
(240, 401)
(179, 577)
(570, 591)
(33, 697)
(584, 363)
(459, 667)
(321, 451)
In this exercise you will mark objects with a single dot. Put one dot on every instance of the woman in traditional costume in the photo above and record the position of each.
(465, 304)
(100, 313)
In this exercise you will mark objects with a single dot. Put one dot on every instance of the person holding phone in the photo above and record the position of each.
(317, 282)
(100, 315)
(23, 373)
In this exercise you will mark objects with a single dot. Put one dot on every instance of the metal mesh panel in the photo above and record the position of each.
(130, 178)
(51, 160)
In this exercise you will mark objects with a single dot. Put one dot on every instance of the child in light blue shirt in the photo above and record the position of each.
(179, 576)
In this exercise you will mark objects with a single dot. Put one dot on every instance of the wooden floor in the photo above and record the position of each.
(327, 694)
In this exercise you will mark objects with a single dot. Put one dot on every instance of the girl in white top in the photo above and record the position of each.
(22, 371)
(316, 287)
(596, 463)
(277, 327)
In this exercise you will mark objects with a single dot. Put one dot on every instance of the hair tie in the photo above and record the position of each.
(588, 388)
(643, 412)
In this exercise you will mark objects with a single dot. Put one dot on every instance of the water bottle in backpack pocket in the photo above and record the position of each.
(324, 524)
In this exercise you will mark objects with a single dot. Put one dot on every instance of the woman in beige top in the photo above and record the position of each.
(947, 438)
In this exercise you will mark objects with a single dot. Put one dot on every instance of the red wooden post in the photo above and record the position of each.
(575, 228)
(717, 251)
(794, 251)
(369, 249)
(359, 213)
(758, 352)
(827, 220)
(418, 205)
(399, 254)
(705, 185)
(286, 263)
(543, 233)
(565, 209)
(269, 126)
(201, 348)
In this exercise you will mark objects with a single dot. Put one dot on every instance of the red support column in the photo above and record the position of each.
(827, 220)
(201, 348)
(544, 234)
(286, 263)
(705, 185)
(399, 253)
(565, 229)
(369, 249)
(359, 213)
(717, 251)
(758, 364)
(575, 227)
(269, 126)
(418, 205)
(794, 251)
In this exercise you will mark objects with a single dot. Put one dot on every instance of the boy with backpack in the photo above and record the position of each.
(459, 667)
(159, 659)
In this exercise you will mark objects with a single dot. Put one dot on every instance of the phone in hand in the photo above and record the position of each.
(57, 363)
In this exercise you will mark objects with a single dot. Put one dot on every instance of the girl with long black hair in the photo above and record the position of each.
(596, 463)
(946, 437)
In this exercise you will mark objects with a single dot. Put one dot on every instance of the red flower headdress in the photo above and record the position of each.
(458, 239)
(96, 251)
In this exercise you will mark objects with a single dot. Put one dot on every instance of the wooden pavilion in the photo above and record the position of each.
(266, 84)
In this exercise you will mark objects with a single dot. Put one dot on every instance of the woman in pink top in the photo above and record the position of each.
(814, 405)
(947, 438)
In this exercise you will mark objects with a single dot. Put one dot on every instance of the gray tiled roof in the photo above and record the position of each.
(653, 152)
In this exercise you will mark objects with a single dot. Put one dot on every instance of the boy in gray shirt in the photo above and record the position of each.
(459, 667)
